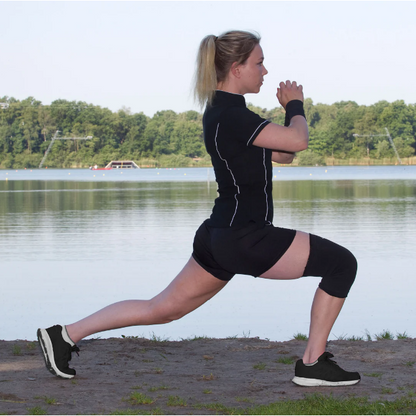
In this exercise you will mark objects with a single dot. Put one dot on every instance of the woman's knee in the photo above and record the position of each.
(335, 264)
(164, 312)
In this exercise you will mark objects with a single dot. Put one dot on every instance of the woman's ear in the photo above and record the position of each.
(235, 69)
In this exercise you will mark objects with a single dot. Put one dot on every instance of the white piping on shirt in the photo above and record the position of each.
(265, 184)
(248, 142)
(235, 183)
(226, 164)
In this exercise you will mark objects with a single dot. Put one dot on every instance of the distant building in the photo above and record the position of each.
(4, 105)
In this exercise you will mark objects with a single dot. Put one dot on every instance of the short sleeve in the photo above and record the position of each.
(242, 124)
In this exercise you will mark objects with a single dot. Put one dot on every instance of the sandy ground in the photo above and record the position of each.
(236, 372)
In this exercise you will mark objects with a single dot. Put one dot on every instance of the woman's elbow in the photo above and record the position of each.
(289, 159)
(303, 141)
(283, 157)
(303, 145)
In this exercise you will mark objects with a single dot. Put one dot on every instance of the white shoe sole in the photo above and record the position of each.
(47, 349)
(314, 382)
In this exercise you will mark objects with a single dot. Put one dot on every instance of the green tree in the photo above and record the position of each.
(383, 149)
(187, 138)
(404, 146)
(398, 118)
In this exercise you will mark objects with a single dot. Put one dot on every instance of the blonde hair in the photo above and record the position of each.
(215, 57)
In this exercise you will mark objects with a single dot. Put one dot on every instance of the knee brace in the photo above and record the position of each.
(335, 264)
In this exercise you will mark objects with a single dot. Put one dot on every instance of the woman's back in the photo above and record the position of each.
(243, 171)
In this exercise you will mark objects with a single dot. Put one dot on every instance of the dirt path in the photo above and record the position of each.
(237, 372)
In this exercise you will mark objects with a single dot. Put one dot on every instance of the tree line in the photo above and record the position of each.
(343, 130)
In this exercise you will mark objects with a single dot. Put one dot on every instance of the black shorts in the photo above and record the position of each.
(251, 249)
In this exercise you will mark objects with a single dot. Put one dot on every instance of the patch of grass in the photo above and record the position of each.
(244, 399)
(387, 390)
(300, 337)
(368, 335)
(208, 378)
(354, 338)
(260, 366)
(195, 338)
(157, 388)
(402, 335)
(50, 400)
(176, 401)
(384, 335)
(47, 400)
(36, 411)
(139, 398)
(345, 337)
(156, 338)
(409, 363)
(377, 375)
(156, 411)
(327, 405)
(31, 346)
(17, 350)
(206, 391)
(285, 360)
(218, 408)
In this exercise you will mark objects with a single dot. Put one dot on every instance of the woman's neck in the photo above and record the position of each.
(229, 86)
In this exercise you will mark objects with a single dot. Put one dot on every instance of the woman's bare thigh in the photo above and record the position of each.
(190, 289)
(292, 264)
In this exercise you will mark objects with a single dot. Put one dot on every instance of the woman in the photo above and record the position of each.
(239, 237)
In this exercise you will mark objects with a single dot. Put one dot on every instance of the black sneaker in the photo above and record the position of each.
(323, 372)
(57, 350)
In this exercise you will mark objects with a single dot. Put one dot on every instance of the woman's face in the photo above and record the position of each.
(252, 72)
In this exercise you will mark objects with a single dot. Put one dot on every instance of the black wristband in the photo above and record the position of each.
(293, 108)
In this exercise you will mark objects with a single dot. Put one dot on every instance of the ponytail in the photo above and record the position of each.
(206, 75)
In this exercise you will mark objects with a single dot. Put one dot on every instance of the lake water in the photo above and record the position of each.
(73, 241)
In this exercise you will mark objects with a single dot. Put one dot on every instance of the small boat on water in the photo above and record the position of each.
(97, 168)
(117, 164)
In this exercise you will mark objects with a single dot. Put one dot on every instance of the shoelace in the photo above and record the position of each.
(328, 357)
(74, 348)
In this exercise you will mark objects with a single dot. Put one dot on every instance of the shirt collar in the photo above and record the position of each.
(222, 97)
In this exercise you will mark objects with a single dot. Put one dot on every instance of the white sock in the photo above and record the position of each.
(66, 337)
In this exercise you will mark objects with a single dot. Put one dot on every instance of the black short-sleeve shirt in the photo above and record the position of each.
(243, 171)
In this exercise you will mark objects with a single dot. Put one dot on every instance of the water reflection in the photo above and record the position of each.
(68, 248)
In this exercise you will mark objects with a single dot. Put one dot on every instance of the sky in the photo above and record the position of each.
(141, 55)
